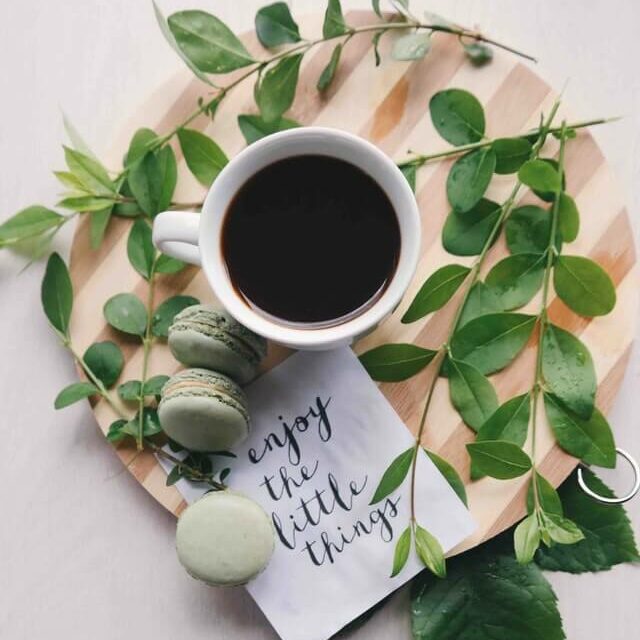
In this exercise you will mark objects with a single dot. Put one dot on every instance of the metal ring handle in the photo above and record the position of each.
(605, 500)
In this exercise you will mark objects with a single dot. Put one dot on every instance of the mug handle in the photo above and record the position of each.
(175, 233)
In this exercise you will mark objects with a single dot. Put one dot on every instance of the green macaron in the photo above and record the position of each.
(224, 539)
(203, 336)
(204, 410)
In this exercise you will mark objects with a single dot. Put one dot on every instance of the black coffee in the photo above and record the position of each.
(310, 239)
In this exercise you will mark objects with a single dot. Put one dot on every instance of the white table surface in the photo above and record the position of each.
(84, 551)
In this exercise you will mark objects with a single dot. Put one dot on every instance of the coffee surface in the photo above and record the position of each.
(310, 239)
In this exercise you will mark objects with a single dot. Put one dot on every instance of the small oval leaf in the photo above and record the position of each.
(401, 553)
(517, 278)
(457, 116)
(511, 154)
(540, 176)
(57, 293)
(277, 88)
(499, 459)
(105, 360)
(275, 25)
(396, 362)
(74, 393)
(203, 156)
(430, 552)
(125, 312)
(140, 249)
(469, 178)
(167, 311)
(471, 393)
(465, 234)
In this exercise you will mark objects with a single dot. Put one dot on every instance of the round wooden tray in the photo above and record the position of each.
(388, 106)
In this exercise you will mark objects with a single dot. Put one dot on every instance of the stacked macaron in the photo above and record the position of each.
(224, 538)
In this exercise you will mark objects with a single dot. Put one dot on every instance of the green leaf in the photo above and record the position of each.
(568, 218)
(540, 176)
(561, 529)
(488, 596)
(511, 153)
(125, 312)
(153, 180)
(499, 459)
(591, 439)
(409, 171)
(471, 393)
(584, 286)
(127, 209)
(436, 291)
(168, 265)
(396, 362)
(169, 37)
(105, 360)
(491, 342)
(329, 72)
(450, 475)
(479, 54)
(90, 172)
(481, 301)
(568, 371)
(469, 178)
(277, 88)
(167, 311)
(334, 24)
(174, 475)
(77, 141)
(254, 127)
(207, 42)
(73, 393)
(465, 234)
(67, 179)
(413, 46)
(430, 552)
(608, 536)
(375, 42)
(517, 278)
(547, 496)
(457, 116)
(401, 553)
(375, 5)
(27, 223)
(509, 422)
(275, 25)
(528, 230)
(115, 433)
(550, 196)
(98, 223)
(85, 204)
(130, 391)
(150, 424)
(56, 294)
(394, 475)
(140, 249)
(526, 539)
(153, 386)
(203, 156)
(139, 146)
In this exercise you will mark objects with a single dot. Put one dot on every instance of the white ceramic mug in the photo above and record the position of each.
(195, 238)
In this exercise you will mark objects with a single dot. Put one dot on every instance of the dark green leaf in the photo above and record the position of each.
(560, 529)
(150, 424)
(450, 475)
(203, 156)
(499, 459)
(401, 553)
(125, 312)
(167, 311)
(375, 5)
(130, 391)
(609, 538)
(457, 116)
(568, 371)
(568, 218)
(413, 46)
(487, 596)
(57, 293)
(436, 291)
(540, 176)
(550, 196)
(90, 172)
(168, 265)
(584, 286)
(127, 209)
(276, 26)
(479, 54)
(174, 475)
(140, 249)
(328, 73)
(430, 552)
(528, 230)
(517, 278)
(153, 386)
(27, 223)
(469, 178)
(511, 153)
(472, 394)
(105, 360)
(396, 362)
(491, 342)
(509, 422)
(277, 88)
(115, 433)
(481, 301)
(409, 171)
(465, 234)
(73, 393)
(526, 539)
(207, 42)
(375, 42)
(140, 144)
(548, 497)
(393, 477)
(153, 180)
(590, 440)
(334, 24)
(254, 127)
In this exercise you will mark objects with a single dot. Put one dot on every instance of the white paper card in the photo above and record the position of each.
(322, 436)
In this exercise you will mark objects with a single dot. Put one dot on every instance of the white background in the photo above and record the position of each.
(84, 551)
